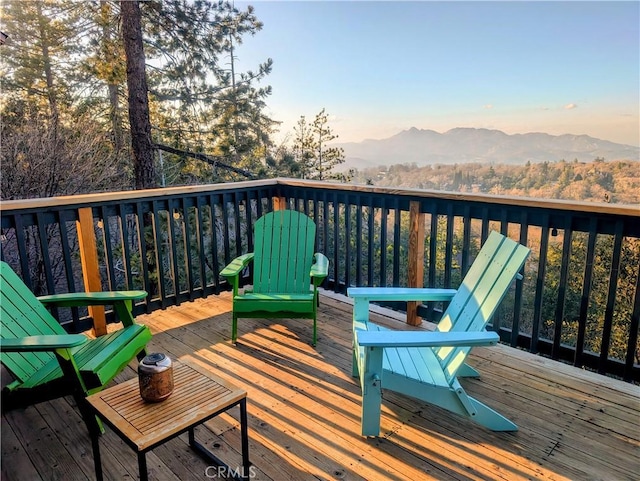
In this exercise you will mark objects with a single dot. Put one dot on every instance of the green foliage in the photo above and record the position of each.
(65, 60)
(202, 102)
(312, 152)
(598, 289)
(598, 181)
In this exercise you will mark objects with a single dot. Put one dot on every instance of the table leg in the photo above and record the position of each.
(244, 432)
(142, 467)
(97, 462)
(95, 430)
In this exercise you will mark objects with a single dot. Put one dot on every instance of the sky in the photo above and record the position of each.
(380, 67)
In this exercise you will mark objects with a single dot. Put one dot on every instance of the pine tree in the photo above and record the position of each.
(312, 151)
(304, 147)
(44, 152)
(139, 121)
(204, 103)
(39, 56)
(326, 157)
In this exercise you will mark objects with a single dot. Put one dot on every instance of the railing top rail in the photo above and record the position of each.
(83, 199)
(555, 204)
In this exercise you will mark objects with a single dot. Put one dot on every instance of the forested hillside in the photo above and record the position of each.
(105, 96)
(598, 181)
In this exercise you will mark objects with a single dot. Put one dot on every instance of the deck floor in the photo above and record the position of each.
(304, 416)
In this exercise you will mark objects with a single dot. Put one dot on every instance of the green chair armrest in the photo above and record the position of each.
(236, 265)
(79, 299)
(122, 301)
(42, 343)
(425, 339)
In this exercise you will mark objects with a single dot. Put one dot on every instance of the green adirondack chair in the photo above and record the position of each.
(286, 272)
(426, 365)
(44, 360)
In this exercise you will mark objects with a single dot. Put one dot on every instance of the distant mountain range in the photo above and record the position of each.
(464, 145)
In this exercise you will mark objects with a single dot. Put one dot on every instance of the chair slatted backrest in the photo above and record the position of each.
(283, 253)
(478, 297)
(22, 314)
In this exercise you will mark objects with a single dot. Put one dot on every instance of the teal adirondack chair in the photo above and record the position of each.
(286, 272)
(44, 360)
(426, 365)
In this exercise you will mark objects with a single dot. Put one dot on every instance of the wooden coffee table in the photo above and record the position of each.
(198, 396)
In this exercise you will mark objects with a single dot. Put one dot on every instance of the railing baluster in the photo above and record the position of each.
(384, 213)
(358, 242)
(586, 292)
(397, 217)
(517, 305)
(611, 298)
(448, 247)
(433, 247)
(633, 351)
(540, 277)
(370, 241)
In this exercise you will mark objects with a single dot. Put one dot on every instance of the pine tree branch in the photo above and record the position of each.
(206, 158)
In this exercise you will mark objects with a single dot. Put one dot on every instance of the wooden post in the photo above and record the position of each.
(90, 267)
(279, 203)
(416, 258)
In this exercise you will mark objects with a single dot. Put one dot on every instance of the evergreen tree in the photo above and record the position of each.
(326, 157)
(204, 103)
(104, 69)
(40, 55)
(44, 152)
(312, 151)
(139, 121)
(304, 147)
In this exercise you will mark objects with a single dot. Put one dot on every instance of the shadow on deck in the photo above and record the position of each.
(304, 417)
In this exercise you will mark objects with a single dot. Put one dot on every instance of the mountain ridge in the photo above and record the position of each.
(470, 145)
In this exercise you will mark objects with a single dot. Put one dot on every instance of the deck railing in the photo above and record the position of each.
(578, 300)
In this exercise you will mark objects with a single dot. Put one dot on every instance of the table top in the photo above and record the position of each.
(197, 394)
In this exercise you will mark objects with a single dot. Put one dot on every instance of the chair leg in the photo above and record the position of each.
(234, 328)
(355, 372)
(467, 371)
(371, 383)
(371, 410)
(491, 419)
(315, 332)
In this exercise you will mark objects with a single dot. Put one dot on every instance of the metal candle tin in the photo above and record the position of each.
(155, 376)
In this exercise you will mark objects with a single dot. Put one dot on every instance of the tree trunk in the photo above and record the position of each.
(141, 143)
(48, 72)
(114, 115)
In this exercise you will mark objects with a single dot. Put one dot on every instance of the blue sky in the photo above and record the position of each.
(380, 67)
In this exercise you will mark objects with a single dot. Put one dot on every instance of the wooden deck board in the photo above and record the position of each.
(304, 413)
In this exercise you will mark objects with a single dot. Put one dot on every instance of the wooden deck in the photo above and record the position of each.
(303, 409)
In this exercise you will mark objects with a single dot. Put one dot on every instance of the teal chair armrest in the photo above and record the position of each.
(425, 339)
(400, 293)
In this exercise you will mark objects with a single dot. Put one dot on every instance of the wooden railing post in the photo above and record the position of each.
(279, 203)
(416, 258)
(90, 266)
